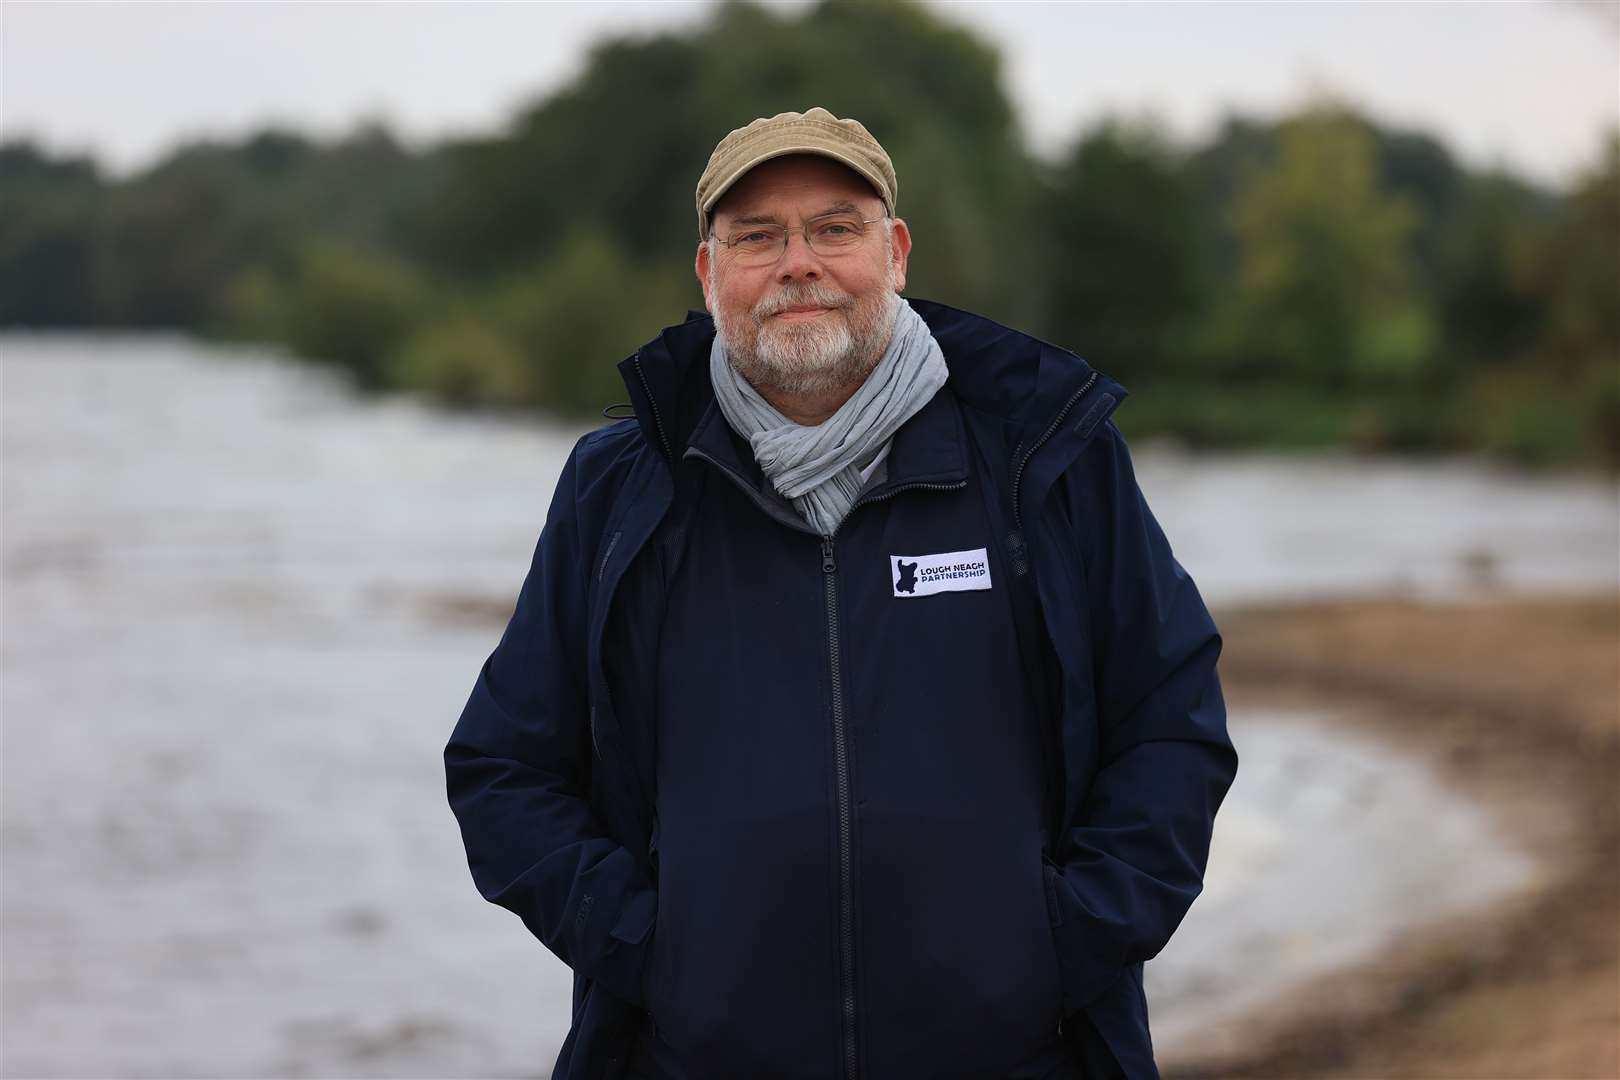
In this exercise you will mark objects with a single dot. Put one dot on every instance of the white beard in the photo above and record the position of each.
(816, 356)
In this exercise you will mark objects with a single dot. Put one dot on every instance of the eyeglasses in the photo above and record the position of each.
(829, 236)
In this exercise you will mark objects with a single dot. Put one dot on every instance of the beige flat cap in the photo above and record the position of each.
(814, 131)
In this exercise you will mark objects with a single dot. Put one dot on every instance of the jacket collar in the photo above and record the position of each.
(1024, 381)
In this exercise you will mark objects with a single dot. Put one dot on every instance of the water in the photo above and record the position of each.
(1253, 528)
(231, 658)
(227, 848)
(1327, 846)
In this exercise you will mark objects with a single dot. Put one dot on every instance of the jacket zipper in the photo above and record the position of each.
(846, 884)
(846, 875)
(846, 810)
(657, 422)
(1057, 421)
(626, 764)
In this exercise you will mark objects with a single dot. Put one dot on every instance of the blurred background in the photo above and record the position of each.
(302, 305)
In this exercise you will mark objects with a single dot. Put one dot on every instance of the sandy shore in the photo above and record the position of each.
(1515, 703)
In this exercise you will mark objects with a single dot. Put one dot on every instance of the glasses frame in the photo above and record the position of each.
(788, 231)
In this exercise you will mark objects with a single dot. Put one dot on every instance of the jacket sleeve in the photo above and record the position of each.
(1133, 858)
(517, 768)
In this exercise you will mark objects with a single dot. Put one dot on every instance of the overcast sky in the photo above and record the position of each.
(1526, 83)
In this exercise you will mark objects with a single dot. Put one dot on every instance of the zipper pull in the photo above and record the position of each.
(827, 564)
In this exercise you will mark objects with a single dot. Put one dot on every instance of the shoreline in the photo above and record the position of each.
(1512, 702)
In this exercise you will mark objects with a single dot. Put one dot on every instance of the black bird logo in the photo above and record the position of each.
(908, 578)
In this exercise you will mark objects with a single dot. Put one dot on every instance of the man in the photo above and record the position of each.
(855, 719)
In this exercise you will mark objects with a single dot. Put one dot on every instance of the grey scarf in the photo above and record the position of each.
(818, 467)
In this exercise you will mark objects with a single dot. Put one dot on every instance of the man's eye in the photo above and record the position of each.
(838, 231)
(756, 237)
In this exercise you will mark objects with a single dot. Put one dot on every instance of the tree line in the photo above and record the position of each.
(1310, 280)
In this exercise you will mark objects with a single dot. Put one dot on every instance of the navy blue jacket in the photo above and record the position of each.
(1089, 624)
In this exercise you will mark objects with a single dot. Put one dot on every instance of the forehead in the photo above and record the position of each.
(795, 182)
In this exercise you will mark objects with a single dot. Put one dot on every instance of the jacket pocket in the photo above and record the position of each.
(1109, 1033)
(1049, 873)
(652, 982)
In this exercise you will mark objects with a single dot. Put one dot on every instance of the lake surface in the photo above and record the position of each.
(230, 667)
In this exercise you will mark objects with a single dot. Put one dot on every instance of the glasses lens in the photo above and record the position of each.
(757, 243)
(835, 234)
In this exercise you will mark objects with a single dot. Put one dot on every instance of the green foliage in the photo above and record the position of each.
(1416, 168)
(1559, 399)
(1279, 414)
(49, 223)
(1127, 276)
(190, 209)
(462, 360)
(1325, 284)
(575, 315)
(351, 306)
(1487, 311)
(1518, 415)
(252, 306)
(1576, 273)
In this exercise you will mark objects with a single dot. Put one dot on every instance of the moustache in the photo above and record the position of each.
(802, 295)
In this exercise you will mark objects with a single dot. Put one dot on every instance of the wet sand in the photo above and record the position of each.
(1514, 703)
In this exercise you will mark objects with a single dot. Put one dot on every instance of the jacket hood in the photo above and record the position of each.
(1019, 378)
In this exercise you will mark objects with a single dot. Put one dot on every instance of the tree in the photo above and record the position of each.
(1561, 400)
(51, 216)
(1326, 291)
(1127, 251)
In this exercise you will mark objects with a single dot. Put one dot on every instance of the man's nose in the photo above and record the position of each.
(798, 260)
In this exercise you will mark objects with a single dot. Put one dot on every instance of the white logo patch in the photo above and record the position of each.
(950, 571)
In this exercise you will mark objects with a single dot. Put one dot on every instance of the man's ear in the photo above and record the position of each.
(704, 266)
(901, 236)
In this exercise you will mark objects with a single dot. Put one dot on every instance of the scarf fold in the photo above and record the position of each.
(818, 468)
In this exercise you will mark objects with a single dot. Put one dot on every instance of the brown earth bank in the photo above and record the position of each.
(1516, 703)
